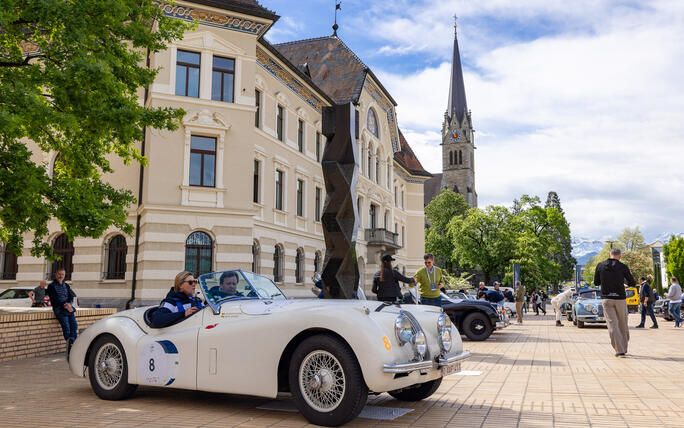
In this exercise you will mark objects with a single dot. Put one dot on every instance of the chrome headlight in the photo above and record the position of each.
(445, 339)
(589, 307)
(403, 329)
(443, 322)
(420, 343)
(594, 311)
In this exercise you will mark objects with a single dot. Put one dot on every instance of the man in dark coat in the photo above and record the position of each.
(62, 299)
(647, 299)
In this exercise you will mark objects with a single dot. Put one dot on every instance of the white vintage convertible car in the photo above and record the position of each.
(329, 354)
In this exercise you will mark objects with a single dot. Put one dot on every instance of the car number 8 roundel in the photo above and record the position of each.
(158, 363)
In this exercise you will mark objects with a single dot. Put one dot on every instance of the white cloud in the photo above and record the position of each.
(593, 112)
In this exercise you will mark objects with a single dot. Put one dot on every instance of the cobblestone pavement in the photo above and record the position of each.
(533, 375)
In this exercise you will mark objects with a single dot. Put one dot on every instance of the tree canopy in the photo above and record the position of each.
(71, 79)
(674, 257)
(438, 213)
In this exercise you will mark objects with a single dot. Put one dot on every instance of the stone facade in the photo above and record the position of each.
(236, 220)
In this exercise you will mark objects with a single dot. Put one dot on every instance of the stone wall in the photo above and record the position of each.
(36, 331)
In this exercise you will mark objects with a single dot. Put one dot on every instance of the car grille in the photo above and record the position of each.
(600, 310)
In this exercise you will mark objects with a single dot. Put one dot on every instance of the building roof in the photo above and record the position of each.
(457, 105)
(250, 7)
(333, 66)
(408, 160)
(431, 188)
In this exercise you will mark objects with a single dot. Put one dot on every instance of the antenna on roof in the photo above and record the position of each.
(337, 7)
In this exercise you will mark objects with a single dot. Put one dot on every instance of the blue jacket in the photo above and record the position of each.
(494, 296)
(169, 311)
(56, 302)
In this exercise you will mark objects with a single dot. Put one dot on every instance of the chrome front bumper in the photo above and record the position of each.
(426, 364)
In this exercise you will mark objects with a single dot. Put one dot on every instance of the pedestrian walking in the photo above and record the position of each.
(526, 306)
(62, 298)
(541, 304)
(611, 275)
(533, 298)
(646, 294)
(429, 279)
(675, 296)
(519, 301)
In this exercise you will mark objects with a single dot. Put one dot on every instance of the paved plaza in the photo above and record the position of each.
(533, 375)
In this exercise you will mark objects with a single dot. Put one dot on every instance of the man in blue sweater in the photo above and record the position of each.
(62, 299)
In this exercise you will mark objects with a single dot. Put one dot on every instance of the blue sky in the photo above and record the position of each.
(585, 98)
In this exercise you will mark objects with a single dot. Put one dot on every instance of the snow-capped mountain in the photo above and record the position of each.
(585, 248)
(664, 237)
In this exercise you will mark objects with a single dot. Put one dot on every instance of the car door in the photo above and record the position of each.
(168, 356)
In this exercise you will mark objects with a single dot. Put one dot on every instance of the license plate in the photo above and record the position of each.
(600, 319)
(449, 370)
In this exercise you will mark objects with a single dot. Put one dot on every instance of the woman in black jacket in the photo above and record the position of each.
(386, 281)
(179, 303)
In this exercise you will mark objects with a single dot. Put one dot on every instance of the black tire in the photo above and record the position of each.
(338, 362)
(417, 392)
(580, 324)
(110, 383)
(476, 326)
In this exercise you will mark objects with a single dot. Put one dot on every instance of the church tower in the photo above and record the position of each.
(458, 144)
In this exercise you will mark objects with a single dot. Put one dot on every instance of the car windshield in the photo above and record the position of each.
(223, 286)
(594, 294)
(14, 293)
(629, 292)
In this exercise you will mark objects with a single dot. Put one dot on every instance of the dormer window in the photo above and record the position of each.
(372, 122)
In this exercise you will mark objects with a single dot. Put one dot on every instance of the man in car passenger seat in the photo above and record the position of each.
(227, 286)
(179, 303)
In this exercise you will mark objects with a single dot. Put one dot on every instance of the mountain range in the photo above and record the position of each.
(585, 248)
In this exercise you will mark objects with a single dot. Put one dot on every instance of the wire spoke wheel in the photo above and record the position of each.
(322, 381)
(108, 366)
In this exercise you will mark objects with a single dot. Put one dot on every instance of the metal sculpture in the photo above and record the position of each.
(340, 171)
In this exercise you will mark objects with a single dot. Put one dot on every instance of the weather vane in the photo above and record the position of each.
(455, 23)
(337, 7)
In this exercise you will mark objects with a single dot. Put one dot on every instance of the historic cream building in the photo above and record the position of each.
(239, 184)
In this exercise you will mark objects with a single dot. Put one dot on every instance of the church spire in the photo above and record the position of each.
(457, 105)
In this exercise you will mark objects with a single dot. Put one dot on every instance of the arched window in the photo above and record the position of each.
(116, 258)
(460, 157)
(456, 189)
(8, 264)
(299, 266)
(372, 122)
(377, 167)
(451, 158)
(278, 264)
(317, 262)
(256, 254)
(59, 159)
(372, 217)
(64, 249)
(198, 253)
(369, 162)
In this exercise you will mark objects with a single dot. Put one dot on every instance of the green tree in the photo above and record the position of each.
(563, 255)
(673, 252)
(71, 79)
(439, 213)
(631, 240)
(483, 239)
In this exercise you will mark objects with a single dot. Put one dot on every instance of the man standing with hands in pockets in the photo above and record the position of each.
(429, 280)
(612, 275)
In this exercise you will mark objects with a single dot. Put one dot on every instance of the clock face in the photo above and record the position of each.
(455, 135)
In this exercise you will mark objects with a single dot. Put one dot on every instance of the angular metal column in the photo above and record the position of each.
(341, 271)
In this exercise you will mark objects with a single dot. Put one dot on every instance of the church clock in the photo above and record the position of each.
(455, 136)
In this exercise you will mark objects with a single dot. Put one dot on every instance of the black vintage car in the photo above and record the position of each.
(477, 319)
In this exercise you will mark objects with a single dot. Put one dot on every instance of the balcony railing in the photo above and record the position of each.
(382, 237)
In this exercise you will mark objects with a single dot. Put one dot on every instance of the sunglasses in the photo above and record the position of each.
(191, 281)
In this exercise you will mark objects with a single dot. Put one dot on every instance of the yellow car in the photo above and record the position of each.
(633, 301)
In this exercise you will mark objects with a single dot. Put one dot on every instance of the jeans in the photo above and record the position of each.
(648, 308)
(68, 322)
(433, 301)
(674, 311)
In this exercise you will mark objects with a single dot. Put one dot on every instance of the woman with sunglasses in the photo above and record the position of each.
(179, 303)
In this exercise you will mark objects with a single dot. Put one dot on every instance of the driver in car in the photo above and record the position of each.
(179, 303)
(227, 286)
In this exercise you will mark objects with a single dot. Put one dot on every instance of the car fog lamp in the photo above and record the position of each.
(443, 322)
(594, 311)
(588, 307)
(419, 343)
(445, 339)
(403, 329)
